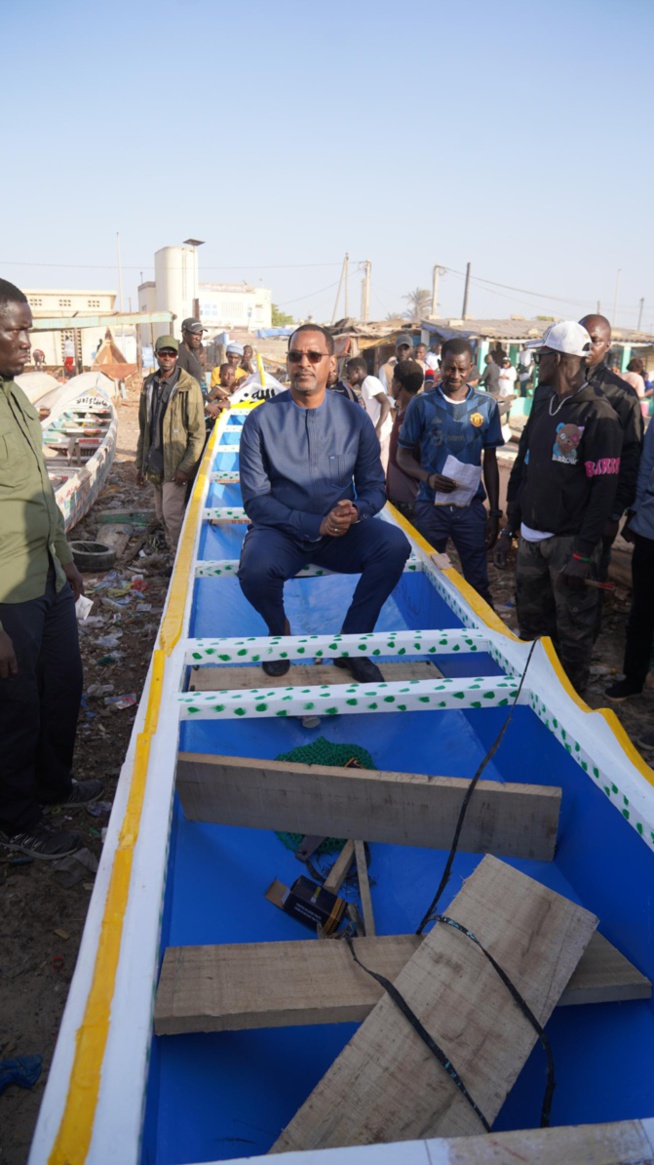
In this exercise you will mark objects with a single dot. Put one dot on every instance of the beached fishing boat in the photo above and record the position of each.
(206, 1021)
(38, 386)
(79, 444)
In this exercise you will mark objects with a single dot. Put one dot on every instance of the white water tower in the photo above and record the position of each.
(176, 282)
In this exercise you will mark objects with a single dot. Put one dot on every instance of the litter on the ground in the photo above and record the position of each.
(120, 702)
(83, 608)
(99, 689)
(23, 1071)
(71, 870)
(109, 641)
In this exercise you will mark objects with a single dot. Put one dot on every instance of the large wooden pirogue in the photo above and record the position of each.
(265, 1038)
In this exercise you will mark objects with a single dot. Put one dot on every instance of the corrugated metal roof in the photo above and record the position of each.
(515, 330)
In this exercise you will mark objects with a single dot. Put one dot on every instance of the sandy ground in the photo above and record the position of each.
(42, 919)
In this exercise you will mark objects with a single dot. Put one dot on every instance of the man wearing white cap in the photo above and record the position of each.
(560, 496)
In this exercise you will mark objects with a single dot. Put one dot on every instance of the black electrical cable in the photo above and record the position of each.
(546, 1109)
(418, 1027)
(428, 917)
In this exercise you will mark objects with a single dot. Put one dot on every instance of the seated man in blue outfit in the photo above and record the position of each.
(312, 482)
(454, 421)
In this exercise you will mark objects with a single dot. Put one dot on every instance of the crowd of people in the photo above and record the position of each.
(581, 468)
(318, 462)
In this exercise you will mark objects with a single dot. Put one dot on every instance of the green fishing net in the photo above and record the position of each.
(323, 752)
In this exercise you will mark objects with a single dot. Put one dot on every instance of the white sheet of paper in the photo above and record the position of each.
(83, 608)
(467, 478)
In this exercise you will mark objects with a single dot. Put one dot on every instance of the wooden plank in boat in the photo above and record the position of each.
(626, 1142)
(252, 985)
(395, 808)
(257, 985)
(384, 1086)
(364, 889)
(339, 870)
(228, 678)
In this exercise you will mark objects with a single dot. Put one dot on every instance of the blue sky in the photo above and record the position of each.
(516, 136)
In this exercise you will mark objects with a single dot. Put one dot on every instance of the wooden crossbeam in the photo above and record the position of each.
(254, 649)
(385, 1086)
(395, 808)
(211, 679)
(227, 567)
(257, 985)
(352, 699)
(226, 449)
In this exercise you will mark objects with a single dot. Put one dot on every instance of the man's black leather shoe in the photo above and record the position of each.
(276, 667)
(362, 669)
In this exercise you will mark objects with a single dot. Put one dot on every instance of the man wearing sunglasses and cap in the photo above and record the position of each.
(560, 496)
(171, 436)
(312, 483)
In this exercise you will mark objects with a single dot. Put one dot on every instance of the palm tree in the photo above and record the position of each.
(419, 301)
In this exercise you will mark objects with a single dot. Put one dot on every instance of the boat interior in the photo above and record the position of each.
(224, 1086)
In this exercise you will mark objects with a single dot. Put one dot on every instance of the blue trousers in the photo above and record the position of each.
(39, 706)
(372, 548)
(466, 526)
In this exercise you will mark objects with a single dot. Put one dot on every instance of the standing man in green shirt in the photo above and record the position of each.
(40, 663)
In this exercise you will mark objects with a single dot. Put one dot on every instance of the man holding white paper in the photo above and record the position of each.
(449, 434)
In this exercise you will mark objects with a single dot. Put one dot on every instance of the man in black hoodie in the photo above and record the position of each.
(561, 496)
(624, 401)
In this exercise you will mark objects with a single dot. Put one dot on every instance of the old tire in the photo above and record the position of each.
(92, 557)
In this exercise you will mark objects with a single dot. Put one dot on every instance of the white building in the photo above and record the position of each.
(235, 305)
(51, 303)
(176, 288)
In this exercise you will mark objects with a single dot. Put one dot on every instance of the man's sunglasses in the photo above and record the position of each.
(295, 357)
(538, 356)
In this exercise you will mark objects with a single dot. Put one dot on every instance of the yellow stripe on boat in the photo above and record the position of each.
(73, 1138)
(76, 1129)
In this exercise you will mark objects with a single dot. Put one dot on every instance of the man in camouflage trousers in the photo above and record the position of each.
(560, 496)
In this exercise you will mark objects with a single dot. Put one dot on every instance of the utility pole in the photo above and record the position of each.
(347, 285)
(465, 292)
(338, 293)
(120, 291)
(434, 291)
(120, 273)
(365, 292)
(640, 313)
(617, 296)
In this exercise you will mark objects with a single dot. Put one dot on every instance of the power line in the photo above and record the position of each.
(542, 295)
(383, 306)
(308, 294)
(150, 266)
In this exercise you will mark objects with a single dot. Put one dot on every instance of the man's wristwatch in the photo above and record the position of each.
(496, 513)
